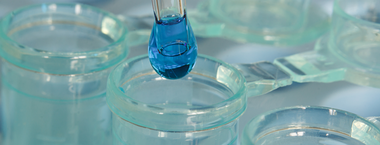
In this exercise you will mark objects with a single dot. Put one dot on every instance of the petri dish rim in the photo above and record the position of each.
(5, 21)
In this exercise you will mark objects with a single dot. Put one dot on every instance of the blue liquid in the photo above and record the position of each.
(172, 47)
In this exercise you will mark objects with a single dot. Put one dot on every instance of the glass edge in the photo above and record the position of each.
(4, 20)
(342, 13)
(307, 107)
(113, 82)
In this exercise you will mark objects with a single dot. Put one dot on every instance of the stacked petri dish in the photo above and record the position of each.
(348, 52)
(55, 63)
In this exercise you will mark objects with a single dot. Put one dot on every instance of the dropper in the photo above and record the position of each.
(159, 5)
(172, 47)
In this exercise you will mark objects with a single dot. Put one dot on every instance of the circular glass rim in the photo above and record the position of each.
(263, 115)
(341, 12)
(236, 95)
(5, 23)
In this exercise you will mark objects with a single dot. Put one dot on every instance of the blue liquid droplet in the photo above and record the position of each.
(172, 47)
(121, 89)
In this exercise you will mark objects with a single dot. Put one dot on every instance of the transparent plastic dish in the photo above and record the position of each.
(349, 52)
(311, 125)
(201, 108)
(55, 63)
(274, 22)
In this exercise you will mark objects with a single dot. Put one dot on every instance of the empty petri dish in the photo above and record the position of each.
(310, 125)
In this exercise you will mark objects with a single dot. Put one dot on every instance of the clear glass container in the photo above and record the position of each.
(201, 108)
(55, 62)
(275, 22)
(349, 52)
(310, 125)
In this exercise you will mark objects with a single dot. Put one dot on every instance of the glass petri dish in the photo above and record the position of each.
(273, 22)
(202, 107)
(310, 125)
(55, 63)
